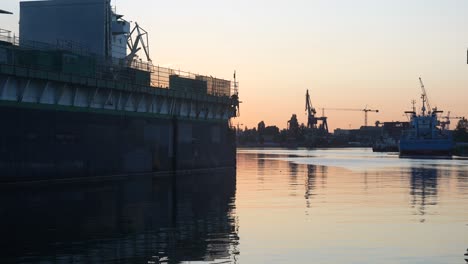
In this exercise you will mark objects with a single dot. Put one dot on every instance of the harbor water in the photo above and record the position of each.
(280, 206)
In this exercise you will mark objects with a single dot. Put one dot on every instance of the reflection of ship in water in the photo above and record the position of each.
(293, 184)
(121, 221)
(293, 170)
(423, 189)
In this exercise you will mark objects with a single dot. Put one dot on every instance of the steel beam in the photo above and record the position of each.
(60, 94)
(22, 90)
(129, 97)
(109, 100)
(91, 99)
(75, 95)
(117, 105)
(160, 104)
(41, 94)
(4, 87)
(138, 102)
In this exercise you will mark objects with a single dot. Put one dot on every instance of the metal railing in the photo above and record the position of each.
(117, 69)
(78, 48)
(5, 36)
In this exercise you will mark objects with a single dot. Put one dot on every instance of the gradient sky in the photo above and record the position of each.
(349, 54)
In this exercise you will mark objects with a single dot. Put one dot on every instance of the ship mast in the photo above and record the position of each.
(425, 99)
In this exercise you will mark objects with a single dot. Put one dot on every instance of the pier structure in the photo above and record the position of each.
(81, 103)
(143, 88)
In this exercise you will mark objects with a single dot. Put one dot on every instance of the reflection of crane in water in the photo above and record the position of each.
(311, 184)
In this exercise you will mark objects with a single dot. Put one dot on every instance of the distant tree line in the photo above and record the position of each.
(460, 134)
(261, 134)
(264, 135)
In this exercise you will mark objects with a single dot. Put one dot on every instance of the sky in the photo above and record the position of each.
(348, 54)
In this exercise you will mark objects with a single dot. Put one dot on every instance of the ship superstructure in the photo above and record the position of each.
(425, 135)
(76, 100)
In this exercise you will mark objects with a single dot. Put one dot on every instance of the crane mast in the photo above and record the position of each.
(425, 99)
(366, 111)
(311, 122)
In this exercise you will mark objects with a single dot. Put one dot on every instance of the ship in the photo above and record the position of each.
(425, 136)
(390, 137)
(81, 97)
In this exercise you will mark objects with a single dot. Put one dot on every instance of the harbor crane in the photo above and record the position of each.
(424, 98)
(5, 12)
(312, 120)
(137, 39)
(446, 124)
(365, 110)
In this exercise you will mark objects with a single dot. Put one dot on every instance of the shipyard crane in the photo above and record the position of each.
(424, 98)
(235, 98)
(5, 12)
(446, 124)
(137, 39)
(365, 110)
(312, 120)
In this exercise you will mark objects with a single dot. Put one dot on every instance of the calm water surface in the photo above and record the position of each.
(282, 206)
(350, 206)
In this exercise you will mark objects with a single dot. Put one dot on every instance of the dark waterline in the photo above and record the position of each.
(282, 206)
(123, 221)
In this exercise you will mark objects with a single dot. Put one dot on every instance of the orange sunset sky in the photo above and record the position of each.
(349, 54)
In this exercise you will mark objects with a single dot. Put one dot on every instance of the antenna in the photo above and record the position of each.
(425, 99)
(236, 86)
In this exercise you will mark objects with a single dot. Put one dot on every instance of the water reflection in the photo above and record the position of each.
(260, 161)
(462, 178)
(121, 221)
(293, 169)
(423, 189)
(310, 184)
(314, 174)
(293, 181)
(367, 206)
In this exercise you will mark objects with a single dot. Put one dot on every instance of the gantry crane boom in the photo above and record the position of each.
(5, 12)
(365, 110)
(446, 124)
